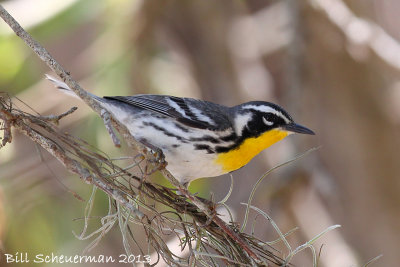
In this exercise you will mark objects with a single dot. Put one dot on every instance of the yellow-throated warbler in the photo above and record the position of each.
(200, 138)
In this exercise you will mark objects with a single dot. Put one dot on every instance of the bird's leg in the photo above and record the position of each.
(159, 160)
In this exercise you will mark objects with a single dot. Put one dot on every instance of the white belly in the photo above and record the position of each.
(187, 164)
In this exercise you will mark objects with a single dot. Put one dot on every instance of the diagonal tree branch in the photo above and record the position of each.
(73, 166)
(59, 153)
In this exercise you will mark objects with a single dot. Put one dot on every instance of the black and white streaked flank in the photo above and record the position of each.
(193, 133)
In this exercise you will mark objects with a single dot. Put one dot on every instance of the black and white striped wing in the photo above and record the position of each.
(191, 112)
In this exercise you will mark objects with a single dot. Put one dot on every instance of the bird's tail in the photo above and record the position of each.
(65, 89)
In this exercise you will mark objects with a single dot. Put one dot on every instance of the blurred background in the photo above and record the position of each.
(333, 64)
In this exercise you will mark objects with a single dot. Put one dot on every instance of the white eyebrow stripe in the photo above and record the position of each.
(267, 109)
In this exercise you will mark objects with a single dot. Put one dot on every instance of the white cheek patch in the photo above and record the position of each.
(267, 122)
(241, 121)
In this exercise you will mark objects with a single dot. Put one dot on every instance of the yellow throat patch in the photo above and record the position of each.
(240, 156)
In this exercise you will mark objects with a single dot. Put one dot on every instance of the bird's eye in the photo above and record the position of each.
(267, 122)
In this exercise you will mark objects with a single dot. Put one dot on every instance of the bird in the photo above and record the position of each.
(199, 138)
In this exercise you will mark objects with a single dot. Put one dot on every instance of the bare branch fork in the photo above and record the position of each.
(76, 167)
(59, 153)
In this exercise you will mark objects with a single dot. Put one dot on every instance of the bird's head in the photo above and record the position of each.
(254, 118)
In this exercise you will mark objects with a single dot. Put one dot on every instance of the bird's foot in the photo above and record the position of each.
(159, 159)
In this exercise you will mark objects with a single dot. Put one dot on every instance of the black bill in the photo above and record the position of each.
(297, 128)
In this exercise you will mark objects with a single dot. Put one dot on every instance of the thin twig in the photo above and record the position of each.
(226, 228)
(45, 56)
(373, 260)
(246, 216)
(57, 118)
